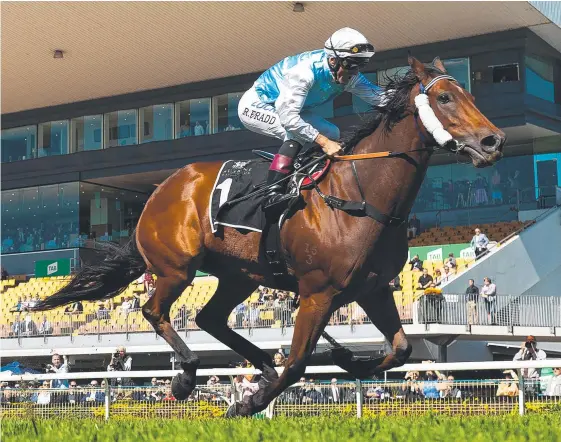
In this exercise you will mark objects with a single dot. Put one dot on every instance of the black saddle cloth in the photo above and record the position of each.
(235, 180)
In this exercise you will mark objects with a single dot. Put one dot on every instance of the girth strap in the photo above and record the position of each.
(356, 208)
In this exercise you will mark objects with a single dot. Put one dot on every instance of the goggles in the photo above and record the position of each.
(351, 64)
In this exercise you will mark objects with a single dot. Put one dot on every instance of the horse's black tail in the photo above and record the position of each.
(101, 281)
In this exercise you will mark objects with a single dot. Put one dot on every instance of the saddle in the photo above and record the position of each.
(305, 178)
(235, 201)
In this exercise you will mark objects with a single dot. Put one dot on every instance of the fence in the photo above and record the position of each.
(412, 395)
(453, 309)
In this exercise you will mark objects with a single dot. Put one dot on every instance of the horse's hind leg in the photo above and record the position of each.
(213, 319)
(156, 311)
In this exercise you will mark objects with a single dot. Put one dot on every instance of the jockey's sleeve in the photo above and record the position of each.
(292, 96)
(360, 86)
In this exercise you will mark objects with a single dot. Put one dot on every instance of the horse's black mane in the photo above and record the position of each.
(396, 108)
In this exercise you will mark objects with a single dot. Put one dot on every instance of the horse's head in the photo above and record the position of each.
(454, 107)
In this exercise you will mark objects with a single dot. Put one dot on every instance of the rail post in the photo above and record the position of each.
(521, 386)
(107, 398)
(358, 398)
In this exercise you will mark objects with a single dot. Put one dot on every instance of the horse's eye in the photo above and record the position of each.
(443, 98)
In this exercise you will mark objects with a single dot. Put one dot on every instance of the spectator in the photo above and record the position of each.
(121, 361)
(169, 395)
(424, 280)
(58, 366)
(479, 243)
(450, 262)
(489, 293)
(530, 352)
(240, 314)
(45, 327)
(75, 396)
(449, 390)
(148, 282)
(437, 277)
(416, 264)
(253, 315)
(414, 227)
(429, 385)
(213, 380)
(446, 275)
(334, 392)
(279, 360)
(95, 395)
(554, 385)
(102, 312)
(410, 389)
(199, 129)
(18, 307)
(135, 301)
(508, 387)
(28, 327)
(126, 306)
(44, 396)
(472, 293)
(3, 273)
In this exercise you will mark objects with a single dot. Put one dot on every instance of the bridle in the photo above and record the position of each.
(424, 112)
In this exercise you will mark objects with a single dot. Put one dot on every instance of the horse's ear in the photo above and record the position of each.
(437, 63)
(417, 67)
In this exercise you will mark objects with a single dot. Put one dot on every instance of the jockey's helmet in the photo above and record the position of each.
(349, 47)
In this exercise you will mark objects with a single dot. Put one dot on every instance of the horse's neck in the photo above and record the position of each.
(392, 184)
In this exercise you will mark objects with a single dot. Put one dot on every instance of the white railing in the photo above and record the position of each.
(355, 397)
(450, 309)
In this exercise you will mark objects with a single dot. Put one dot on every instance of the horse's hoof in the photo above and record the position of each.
(268, 375)
(181, 386)
(234, 410)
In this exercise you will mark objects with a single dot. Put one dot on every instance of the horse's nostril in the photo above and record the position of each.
(492, 141)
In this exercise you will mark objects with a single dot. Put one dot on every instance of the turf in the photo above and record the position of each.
(542, 428)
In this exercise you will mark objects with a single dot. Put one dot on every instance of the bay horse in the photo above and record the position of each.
(334, 256)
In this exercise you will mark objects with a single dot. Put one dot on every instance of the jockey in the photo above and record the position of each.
(280, 103)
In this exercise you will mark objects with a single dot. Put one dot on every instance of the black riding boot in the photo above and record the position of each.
(280, 168)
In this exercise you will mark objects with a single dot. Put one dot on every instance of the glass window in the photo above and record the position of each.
(19, 144)
(459, 186)
(53, 138)
(505, 73)
(192, 117)
(156, 123)
(456, 67)
(459, 69)
(39, 218)
(225, 112)
(360, 106)
(539, 78)
(86, 133)
(120, 128)
(108, 213)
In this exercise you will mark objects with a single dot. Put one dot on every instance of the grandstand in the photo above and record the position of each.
(262, 309)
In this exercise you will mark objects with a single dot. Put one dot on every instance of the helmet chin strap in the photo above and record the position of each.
(334, 69)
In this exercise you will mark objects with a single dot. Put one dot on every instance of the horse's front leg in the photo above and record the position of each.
(312, 318)
(381, 309)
